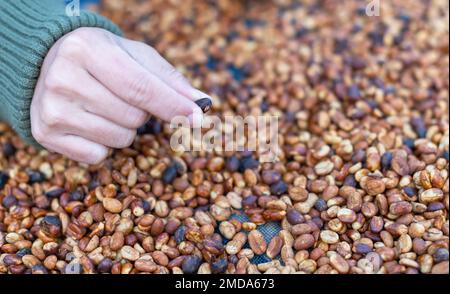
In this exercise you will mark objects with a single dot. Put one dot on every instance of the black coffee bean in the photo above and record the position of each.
(3, 179)
(232, 163)
(24, 251)
(9, 149)
(409, 143)
(219, 266)
(51, 225)
(205, 104)
(363, 248)
(105, 265)
(294, 217)
(180, 234)
(279, 188)
(270, 176)
(354, 93)
(440, 255)
(386, 159)
(93, 184)
(9, 201)
(191, 264)
(435, 206)
(77, 195)
(35, 177)
(321, 205)
(169, 174)
(248, 162)
(410, 191)
(249, 201)
(419, 126)
(55, 193)
(146, 206)
(152, 126)
(350, 181)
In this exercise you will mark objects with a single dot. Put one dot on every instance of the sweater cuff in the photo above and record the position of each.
(28, 29)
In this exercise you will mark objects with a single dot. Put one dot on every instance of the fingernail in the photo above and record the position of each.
(196, 119)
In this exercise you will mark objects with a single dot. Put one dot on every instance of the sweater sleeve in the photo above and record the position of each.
(28, 29)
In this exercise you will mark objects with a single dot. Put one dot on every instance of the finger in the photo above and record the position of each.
(126, 78)
(100, 130)
(85, 124)
(102, 102)
(149, 58)
(77, 148)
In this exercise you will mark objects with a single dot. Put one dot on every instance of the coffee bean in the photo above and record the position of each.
(191, 264)
(35, 177)
(54, 193)
(169, 174)
(9, 201)
(9, 149)
(279, 188)
(105, 265)
(3, 179)
(205, 104)
(219, 266)
(232, 163)
(51, 225)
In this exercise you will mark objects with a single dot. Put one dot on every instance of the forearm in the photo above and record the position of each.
(28, 29)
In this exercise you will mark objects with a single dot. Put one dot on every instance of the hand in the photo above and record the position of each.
(95, 89)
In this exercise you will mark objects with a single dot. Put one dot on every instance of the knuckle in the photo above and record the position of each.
(52, 117)
(74, 44)
(55, 80)
(38, 133)
(141, 90)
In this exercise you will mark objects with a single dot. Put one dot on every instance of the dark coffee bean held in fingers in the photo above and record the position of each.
(205, 104)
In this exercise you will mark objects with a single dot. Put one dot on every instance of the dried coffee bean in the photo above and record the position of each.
(3, 179)
(294, 217)
(232, 163)
(248, 162)
(55, 193)
(180, 234)
(105, 265)
(169, 174)
(51, 226)
(191, 264)
(204, 103)
(279, 188)
(9, 149)
(270, 177)
(440, 255)
(219, 266)
(9, 201)
(35, 177)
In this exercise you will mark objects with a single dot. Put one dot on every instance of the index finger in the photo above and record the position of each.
(126, 78)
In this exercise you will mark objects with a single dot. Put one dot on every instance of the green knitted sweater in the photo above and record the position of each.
(28, 29)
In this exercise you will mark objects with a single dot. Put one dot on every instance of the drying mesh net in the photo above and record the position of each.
(269, 230)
